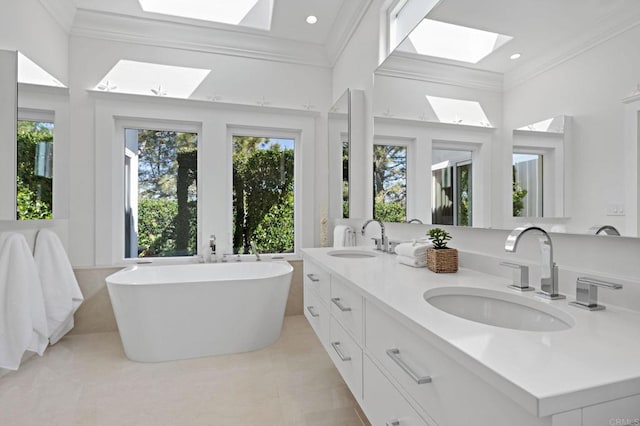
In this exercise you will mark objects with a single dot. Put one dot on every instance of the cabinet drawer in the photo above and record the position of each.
(346, 305)
(382, 402)
(318, 280)
(449, 393)
(347, 356)
(317, 314)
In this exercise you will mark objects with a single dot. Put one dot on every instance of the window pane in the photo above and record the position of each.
(345, 179)
(35, 170)
(263, 200)
(390, 183)
(451, 187)
(161, 195)
(527, 185)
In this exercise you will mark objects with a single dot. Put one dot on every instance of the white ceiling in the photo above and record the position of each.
(541, 28)
(288, 17)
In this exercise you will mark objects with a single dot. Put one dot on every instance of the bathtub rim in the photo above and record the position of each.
(110, 278)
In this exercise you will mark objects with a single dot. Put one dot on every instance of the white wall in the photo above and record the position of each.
(235, 79)
(25, 25)
(590, 88)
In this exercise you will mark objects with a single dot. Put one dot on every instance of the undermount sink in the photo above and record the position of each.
(498, 309)
(352, 254)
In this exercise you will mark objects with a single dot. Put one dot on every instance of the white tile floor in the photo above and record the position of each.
(87, 380)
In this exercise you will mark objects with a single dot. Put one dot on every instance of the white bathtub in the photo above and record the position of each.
(172, 312)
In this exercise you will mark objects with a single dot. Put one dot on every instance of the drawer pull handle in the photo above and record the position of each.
(393, 423)
(394, 354)
(339, 352)
(312, 312)
(336, 301)
(313, 278)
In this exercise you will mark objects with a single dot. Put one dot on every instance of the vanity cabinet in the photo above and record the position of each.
(401, 374)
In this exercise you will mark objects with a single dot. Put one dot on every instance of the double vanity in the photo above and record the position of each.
(419, 348)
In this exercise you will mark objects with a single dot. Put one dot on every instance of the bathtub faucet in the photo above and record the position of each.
(255, 251)
(212, 248)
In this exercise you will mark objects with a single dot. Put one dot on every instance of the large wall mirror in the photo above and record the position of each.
(518, 113)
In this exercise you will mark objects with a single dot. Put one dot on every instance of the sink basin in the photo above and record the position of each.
(352, 254)
(499, 309)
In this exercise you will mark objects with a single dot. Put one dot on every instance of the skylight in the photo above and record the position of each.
(31, 73)
(249, 13)
(143, 78)
(455, 42)
(551, 125)
(458, 111)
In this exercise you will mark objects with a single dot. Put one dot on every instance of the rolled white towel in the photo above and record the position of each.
(412, 261)
(413, 249)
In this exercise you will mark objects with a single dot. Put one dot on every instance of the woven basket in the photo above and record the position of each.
(442, 260)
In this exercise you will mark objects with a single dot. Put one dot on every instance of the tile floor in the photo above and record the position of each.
(87, 380)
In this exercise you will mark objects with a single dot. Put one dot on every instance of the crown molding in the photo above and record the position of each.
(558, 56)
(207, 39)
(347, 21)
(62, 11)
(416, 67)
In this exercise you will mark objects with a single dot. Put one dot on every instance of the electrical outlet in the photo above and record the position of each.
(615, 210)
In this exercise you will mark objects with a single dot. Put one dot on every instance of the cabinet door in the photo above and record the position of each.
(383, 404)
(318, 279)
(346, 307)
(317, 314)
(622, 412)
(347, 356)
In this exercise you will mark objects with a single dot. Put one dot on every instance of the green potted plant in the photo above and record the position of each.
(441, 258)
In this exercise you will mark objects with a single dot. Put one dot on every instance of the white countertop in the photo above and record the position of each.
(596, 360)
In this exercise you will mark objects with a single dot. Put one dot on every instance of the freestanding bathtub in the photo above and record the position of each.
(171, 312)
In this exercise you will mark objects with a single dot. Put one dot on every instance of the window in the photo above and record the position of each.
(345, 179)
(263, 194)
(527, 185)
(35, 167)
(390, 183)
(161, 193)
(451, 176)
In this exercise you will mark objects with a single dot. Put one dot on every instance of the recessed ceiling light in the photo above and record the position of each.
(311, 19)
(515, 56)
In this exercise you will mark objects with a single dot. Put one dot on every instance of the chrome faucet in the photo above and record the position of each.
(212, 248)
(603, 229)
(383, 242)
(549, 275)
(415, 221)
(255, 251)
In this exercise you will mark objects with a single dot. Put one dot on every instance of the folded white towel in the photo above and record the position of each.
(23, 322)
(413, 249)
(412, 261)
(61, 291)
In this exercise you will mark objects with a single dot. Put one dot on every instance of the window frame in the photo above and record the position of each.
(118, 226)
(273, 133)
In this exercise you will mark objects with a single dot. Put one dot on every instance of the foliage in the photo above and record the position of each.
(34, 193)
(389, 212)
(519, 193)
(464, 201)
(275, 233)
(439, 238)
(167, 192)
(390, 182)
(262, 195)
(157, 228)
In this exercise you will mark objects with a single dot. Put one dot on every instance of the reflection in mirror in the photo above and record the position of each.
(580, 65)
(451, 192)
(340, 147)
(539, 167)
(390, 183)
(8, 122)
